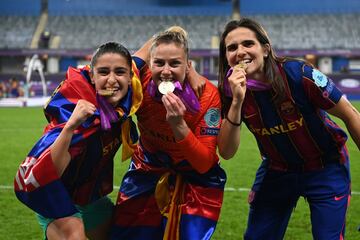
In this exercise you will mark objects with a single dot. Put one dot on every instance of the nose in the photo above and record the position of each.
(240, 51)
(166, 69)
(112, 79)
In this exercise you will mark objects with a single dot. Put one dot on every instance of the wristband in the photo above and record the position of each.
(233, 123)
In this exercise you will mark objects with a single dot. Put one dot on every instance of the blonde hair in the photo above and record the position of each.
(174, 34)
(179, 30)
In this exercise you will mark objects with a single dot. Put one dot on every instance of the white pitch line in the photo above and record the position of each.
(227, 189)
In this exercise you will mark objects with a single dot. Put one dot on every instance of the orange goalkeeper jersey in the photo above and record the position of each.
(199, 146)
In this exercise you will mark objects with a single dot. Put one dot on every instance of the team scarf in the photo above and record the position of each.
(37, 183)
(188, 203)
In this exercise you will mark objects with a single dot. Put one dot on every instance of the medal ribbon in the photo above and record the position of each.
(186, 95)
(108, 114)
(251, 84)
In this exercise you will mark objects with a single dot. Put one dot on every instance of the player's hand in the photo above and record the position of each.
(237, 81)
(196, 81)
(175, 109)
(82, 111)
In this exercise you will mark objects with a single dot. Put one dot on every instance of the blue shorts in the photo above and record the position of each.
(92, 214)
(327, 192)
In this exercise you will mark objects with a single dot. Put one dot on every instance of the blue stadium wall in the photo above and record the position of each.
(184, 7)
(178, 7)
(20, 7)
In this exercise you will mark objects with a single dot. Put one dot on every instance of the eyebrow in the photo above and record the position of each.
(107, 68)
(232, 43)
(242, 42)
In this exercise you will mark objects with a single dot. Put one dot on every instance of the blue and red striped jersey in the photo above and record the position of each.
(297, 134)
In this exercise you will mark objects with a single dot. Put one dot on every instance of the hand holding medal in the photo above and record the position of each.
(239, 66)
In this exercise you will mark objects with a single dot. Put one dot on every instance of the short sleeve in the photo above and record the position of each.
(321, 90)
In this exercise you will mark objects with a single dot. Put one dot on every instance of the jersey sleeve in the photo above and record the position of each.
(140, 63)
(320, 89)
(199, 146)
(142, 70)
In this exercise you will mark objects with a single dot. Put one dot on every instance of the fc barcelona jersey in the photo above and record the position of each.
(297, 134)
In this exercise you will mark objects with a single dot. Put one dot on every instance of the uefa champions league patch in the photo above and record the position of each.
(212, 117)
(319, 78)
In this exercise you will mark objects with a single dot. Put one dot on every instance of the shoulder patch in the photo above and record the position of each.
(212, 117)
(319, 78)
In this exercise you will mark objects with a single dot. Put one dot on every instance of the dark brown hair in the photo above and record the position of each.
(270, 62)
(110, 47)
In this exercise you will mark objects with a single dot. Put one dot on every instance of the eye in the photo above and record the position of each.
(231, 47)
(159, 62)
(175, 63)
(248, 43)
(103, 71)
(120, 71)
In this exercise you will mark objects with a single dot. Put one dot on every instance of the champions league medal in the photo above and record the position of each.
(166, 87)
(105, 92)
(241, 65)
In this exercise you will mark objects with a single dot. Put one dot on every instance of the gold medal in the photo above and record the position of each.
(105, 92)
(241, 65)
(166, 87)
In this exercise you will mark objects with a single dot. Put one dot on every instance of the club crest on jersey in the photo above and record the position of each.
(212, 117)
(287, 107)
(325, 94)
(319, 78)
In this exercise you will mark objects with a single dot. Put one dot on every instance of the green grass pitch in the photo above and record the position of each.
(21, 127)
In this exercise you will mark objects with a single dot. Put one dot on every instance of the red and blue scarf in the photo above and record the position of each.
(37, 183)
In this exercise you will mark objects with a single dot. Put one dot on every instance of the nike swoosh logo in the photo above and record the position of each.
(339, 198)
(249, 116)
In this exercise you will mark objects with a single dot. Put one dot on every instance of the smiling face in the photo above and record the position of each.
(242, 45)
(111, 72)
(168, 62)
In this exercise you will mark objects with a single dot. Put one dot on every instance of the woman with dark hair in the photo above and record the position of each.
(68, 174)
(285, 104)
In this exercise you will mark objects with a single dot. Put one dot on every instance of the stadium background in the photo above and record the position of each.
(62, 33)
(65, 32)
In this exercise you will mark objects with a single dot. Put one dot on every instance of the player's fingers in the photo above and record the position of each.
(176, 102)
(173, 104)
(167, 103)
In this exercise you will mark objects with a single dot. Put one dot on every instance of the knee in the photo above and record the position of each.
(75, 234)
(75, 230)
(69, 228)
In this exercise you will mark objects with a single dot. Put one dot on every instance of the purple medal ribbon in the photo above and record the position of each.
(108, 114)
(186, 95)
(251, 84)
